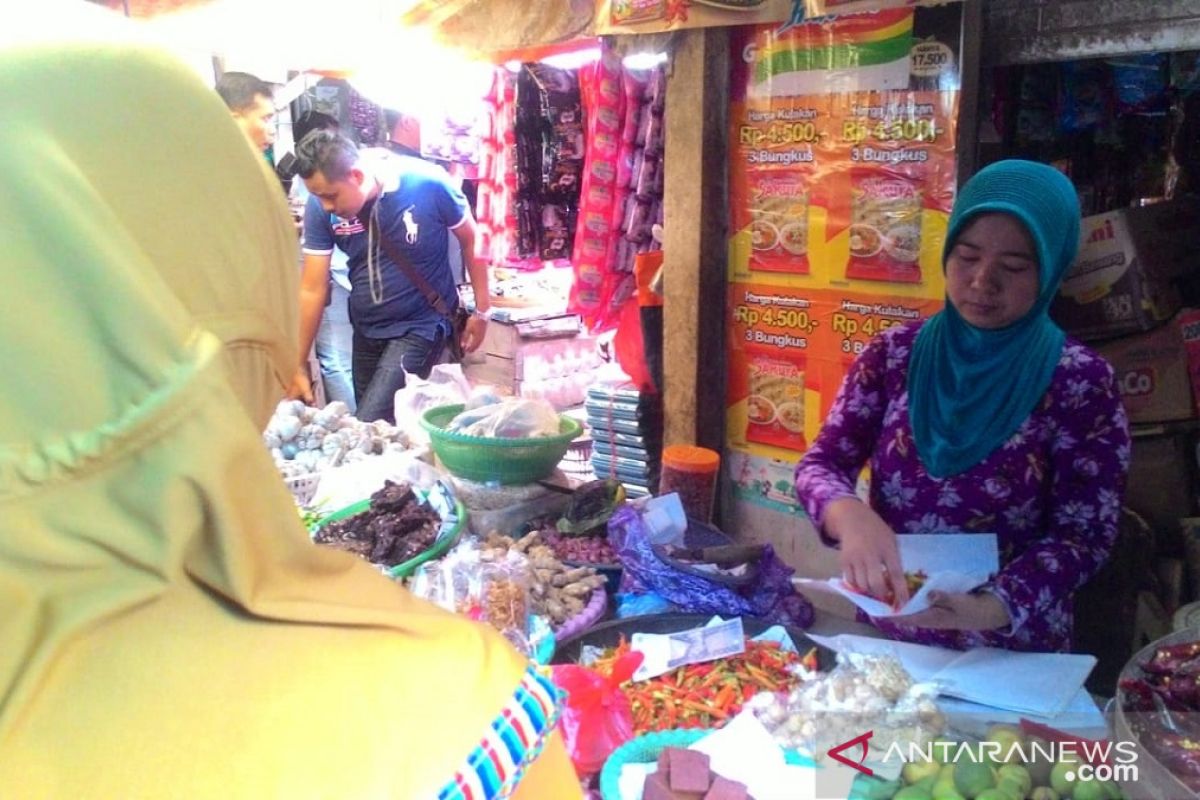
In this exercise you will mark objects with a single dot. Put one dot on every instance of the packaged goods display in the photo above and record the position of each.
(622, 414)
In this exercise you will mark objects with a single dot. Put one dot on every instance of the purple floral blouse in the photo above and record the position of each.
(1051, 493)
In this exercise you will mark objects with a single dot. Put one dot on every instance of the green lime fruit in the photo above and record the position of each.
(914, 771)
(1018, 775)
(993, 794)
(914, 792)
(973, 777)
(946, 791)
(1091, 789)
(1062, 778)
(1011, 740)
(942, 750)
(1040, 763)
(1044, 793)
(1011, 790)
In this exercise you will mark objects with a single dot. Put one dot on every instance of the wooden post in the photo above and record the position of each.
(695, 247)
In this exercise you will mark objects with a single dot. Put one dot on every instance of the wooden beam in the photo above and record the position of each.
(695, 246)
(967, 146)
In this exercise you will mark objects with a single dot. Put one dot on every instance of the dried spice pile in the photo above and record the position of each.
(395, 528)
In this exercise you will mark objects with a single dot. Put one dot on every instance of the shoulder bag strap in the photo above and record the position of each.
(398, 258)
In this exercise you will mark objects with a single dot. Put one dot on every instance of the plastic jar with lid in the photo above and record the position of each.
(692, 472)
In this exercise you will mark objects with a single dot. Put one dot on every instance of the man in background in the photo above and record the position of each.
(404, 133)
(335, 337)
(404, 139)
(251, 101)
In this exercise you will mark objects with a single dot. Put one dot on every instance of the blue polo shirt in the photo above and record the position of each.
(417, 209)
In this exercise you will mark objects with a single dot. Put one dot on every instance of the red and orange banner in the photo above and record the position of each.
(842, 176)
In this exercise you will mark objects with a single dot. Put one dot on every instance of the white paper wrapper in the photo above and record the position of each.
(953, 562)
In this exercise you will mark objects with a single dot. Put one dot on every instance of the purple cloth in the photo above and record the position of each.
(1051, 493)
(771, 596)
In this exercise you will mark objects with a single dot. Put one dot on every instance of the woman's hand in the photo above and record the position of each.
(869, 558)
(960, 611)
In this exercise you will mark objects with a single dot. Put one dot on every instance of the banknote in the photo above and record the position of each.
(665, 652)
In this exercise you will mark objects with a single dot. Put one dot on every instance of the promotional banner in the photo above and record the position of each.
(656, 16)
(842, 177)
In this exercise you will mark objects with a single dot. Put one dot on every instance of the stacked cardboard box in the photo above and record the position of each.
(626, 429)
(1125, 296)
(1130, 270)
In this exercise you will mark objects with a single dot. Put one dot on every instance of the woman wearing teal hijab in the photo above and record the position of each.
(984, 418)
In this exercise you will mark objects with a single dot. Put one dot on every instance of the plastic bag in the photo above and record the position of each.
(504, 598)
(510, 419)
(446, 385)
(342, 486)
(483, 588)
(485, 395)
(629, 346)
(597, 717)
(635, 605)
(770, 596)
(453, 582)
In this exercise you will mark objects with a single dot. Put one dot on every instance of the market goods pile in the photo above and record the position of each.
(1162, 707)
(707, 695)
(581, 533)
(1006, 764)
(303, 439)
(685, 775)
(556, 591)
(863, 692)
(582, 549)
(394, 528)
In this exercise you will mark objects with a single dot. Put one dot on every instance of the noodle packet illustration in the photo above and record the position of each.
(775, 407)
(778, 223)
(885, 227)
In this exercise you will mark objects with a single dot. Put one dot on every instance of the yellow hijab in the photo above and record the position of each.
(166, 627)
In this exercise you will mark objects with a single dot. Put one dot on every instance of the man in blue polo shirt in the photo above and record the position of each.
(413, 204)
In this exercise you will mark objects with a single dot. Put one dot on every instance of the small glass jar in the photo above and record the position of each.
(692, 473)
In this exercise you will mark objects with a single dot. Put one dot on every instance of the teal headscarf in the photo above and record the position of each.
(970, 389)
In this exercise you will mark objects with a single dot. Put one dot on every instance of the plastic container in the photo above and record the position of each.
(1154, 779)
(645, 749)
(692, 472)
(488, 460)
(592, 613)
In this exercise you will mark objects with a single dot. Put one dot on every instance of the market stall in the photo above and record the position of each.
(708, 655)
(693, 662)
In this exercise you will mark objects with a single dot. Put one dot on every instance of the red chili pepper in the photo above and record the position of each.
(725, 697)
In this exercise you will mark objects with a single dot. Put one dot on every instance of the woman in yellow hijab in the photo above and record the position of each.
(166, 627)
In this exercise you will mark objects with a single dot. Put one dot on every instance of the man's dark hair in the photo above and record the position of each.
(311, 121)
(240, 89)
(326, 152)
